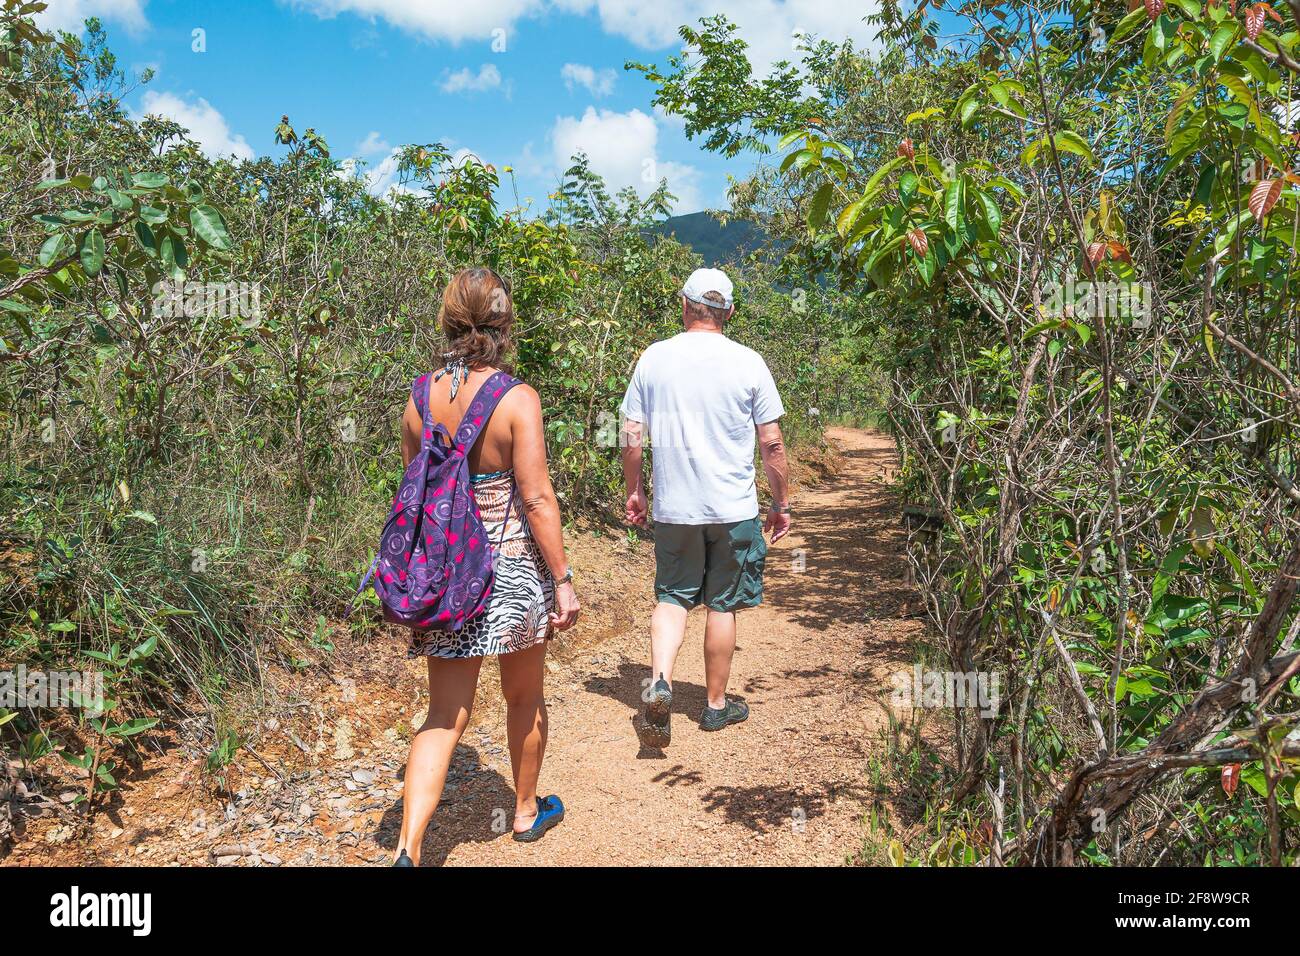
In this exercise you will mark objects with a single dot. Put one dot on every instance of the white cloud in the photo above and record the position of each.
(766, 25)
(459, 157)
(70, 14)
(207, 126)
(372, 144)
(466, 81)
(597, 82)
(434, 19)
(623, 148)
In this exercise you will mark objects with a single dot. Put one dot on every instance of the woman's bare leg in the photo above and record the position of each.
(521, 686)
(451, 698)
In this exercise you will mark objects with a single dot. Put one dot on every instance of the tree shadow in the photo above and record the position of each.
(853, 561)
(763, 809)
(477, 806)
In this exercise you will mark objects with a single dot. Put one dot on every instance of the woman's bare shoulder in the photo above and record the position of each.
(522, 400)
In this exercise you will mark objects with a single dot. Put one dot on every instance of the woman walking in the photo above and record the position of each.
(532, 594)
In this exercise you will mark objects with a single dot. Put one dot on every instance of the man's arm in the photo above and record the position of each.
(634, 473)
(772, 448)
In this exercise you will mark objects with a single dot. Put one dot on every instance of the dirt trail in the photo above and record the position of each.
(786, 787)
(320, 781)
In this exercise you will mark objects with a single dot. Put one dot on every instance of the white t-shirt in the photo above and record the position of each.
(699, 394)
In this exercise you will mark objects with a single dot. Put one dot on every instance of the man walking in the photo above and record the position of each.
(700, 398)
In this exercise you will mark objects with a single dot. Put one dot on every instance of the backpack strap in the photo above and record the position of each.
(481, 408)
(420, 394)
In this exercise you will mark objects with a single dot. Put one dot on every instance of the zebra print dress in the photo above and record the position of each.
(523, 592)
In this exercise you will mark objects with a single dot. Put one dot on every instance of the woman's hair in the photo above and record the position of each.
(476, 316)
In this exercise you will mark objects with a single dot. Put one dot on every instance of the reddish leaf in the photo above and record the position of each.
(1231, 774)
(1096, 252)
(1255, 18)
(1264, 197)
(920, 242)
(1119, 252)
(1155, 8)
(905, 148)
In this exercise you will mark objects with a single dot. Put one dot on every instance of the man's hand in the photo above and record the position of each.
(637, 506)
(777, 525)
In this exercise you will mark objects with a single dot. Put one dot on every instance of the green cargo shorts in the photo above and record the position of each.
(717, 565)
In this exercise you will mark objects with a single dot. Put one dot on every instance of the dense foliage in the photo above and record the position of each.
(1073, 228)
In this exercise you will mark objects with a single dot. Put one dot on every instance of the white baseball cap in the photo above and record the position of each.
(709, 280)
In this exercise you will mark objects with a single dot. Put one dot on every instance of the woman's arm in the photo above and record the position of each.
(412, 425)
(528, 458)
(533, 477)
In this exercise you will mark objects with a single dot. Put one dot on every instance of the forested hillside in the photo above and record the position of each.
(714, 241)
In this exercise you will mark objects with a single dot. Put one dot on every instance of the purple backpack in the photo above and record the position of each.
(434, 566)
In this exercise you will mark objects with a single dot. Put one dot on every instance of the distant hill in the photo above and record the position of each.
(715, 243)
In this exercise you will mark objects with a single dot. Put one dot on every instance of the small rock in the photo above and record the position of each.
(364, 777)
(234, 849)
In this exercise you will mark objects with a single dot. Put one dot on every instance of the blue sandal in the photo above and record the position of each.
(550, 811)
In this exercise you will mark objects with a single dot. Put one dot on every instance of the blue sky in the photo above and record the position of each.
(522, 83)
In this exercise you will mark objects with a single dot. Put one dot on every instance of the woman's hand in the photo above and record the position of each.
(567, 607)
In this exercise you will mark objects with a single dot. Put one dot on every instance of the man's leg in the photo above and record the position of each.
(719, 646)
(667, 631)
(733, 578)
(679, 577)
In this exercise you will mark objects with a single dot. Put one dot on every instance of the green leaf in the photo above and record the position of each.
(921, 116)
(144, 649)
(954, 204)
(1222, 38)
(873, 184)
(211, 228)
(130, 727)
(789, 139)
(92, 252)
(816, 210)
(52, 249)
(992, 215)
(144, 235)
(849, 216)
(149, 180)
(1128, 24)
(1068, 141)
